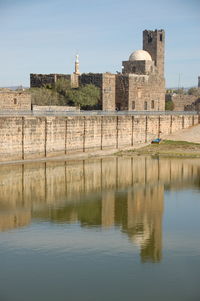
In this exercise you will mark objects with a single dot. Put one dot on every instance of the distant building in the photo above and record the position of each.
(199, 82)
(14, 100)
(140, 86)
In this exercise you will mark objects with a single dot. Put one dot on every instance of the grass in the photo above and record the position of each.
(178, 143)
(168, 148)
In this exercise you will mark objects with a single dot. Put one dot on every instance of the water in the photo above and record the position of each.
(120, 228)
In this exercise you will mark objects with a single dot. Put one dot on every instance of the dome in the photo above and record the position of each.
(140, 55)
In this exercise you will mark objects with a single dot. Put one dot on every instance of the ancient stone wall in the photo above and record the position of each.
(138, 67)
(15, 100)
(40, 80)
(140, 92)
(32, 136)
(181, 101)
(122, 91)
(55, 108)
(154, 43)
(108, 92)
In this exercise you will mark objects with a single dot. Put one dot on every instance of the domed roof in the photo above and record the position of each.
(140, 55)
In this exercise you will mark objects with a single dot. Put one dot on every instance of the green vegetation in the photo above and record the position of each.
(168, 148)
(194, 91)
(179, 143)
(87, 97)
(169, 105)
(46, 97)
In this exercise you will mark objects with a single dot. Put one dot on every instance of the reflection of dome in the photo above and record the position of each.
(140, 55)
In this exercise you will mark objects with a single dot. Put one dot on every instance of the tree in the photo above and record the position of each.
(62, 86)
(86, 97)
(169, 105)
(194, 91)
(61, 93)
(179, 91)
(46, 97)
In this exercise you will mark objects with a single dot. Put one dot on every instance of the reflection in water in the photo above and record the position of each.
(122, 192)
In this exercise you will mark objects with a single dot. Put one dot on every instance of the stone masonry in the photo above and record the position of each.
(26, 137)
(15, 100)
(140, 86)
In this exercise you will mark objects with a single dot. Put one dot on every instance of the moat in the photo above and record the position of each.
(118, 228)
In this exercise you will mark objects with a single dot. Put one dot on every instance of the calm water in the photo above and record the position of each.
(110, 229)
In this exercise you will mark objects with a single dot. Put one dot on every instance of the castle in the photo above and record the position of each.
(139, 87)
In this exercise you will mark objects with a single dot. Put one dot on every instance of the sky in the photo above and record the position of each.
(43, 36)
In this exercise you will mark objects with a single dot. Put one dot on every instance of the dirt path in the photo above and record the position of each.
(191, 135)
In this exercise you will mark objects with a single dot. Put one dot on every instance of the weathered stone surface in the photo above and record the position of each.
(14, 100)
(32, 136)
(184, 102)
(55, 108)
(140, 86)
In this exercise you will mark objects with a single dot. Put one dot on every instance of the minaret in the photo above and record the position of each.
(77, 65)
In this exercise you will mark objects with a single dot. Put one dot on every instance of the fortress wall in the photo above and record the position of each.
(10, 138)
(55, 136)
(165, 125)
(177, 123)
(153, 127)
(32, 137)
(55, 108)
(124, 130)
(109, 132)
(75, 134)
(139, 129)
(14, 100)
(92, 132)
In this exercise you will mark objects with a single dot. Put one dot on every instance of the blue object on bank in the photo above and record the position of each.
(157, 140)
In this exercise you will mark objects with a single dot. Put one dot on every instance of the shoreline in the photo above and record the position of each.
(167, 148)
(76, 156)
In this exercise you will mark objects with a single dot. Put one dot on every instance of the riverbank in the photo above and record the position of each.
(168, 148)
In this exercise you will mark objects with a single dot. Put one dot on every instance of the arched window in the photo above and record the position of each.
(133, 105)
(145, 105)
(152, 104)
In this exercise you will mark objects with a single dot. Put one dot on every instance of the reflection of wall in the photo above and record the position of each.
(144, 222)
(11, 220)
(108, 209)
(123, 191)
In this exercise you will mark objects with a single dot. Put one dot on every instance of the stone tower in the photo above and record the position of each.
(154, 43)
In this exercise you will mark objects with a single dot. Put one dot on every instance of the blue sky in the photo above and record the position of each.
(43, 36)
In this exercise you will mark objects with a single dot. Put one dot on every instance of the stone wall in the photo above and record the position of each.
(40, 80)
(32, 136)
(14, 100)
(181, 101)
(140, 92)
(108, 92)
(55, 108)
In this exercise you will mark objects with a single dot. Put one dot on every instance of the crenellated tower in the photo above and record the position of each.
(154, 43)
